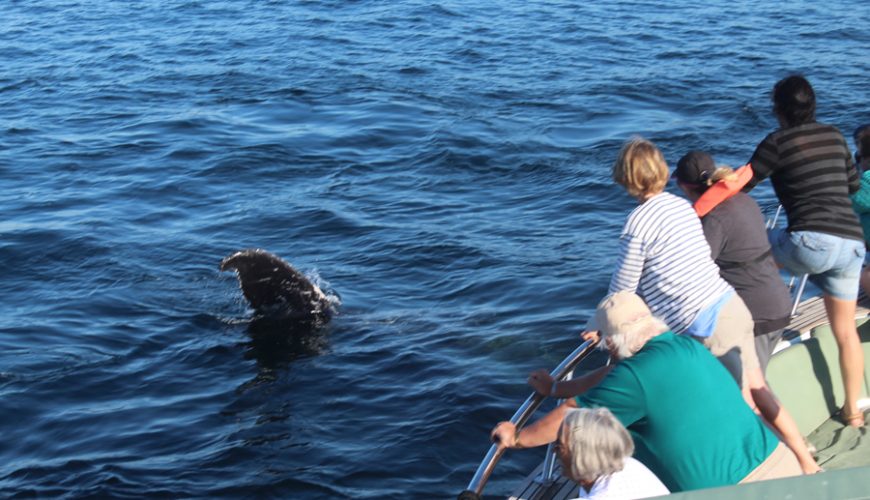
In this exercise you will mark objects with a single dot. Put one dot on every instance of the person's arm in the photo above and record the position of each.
(764, 160)
(543, 383)
(542, 432)
(629, 265)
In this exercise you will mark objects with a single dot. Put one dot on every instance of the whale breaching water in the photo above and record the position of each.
(273, 287)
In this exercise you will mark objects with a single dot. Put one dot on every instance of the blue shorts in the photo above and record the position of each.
(833, 263)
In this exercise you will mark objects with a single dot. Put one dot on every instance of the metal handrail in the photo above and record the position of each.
(531, 405)
(549, 468)
(798, 295)
(771, 223)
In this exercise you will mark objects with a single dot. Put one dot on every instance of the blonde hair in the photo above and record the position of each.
(640, 168)
(595, 442)
(722, 173)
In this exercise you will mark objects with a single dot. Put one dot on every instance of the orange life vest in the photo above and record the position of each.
(722, 190)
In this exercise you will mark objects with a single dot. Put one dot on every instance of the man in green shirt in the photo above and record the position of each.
(686, 414)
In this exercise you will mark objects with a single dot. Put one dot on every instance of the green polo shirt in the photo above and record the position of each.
(689, 422)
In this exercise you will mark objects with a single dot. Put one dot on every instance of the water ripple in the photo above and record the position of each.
(442, 167)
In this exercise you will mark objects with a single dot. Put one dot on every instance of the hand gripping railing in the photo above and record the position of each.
(484, 470)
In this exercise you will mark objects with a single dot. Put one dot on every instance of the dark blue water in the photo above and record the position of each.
(442, 168)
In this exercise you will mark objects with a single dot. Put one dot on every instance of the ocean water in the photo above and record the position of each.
(441, 169)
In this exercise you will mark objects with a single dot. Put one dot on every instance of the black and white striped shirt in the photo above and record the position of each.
(813, 174)
(664, 258)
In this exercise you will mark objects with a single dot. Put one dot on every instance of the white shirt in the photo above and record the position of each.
(633, 481)
(665, 259)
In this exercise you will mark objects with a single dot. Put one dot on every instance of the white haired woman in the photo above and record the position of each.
(681, 406)
(595, 451)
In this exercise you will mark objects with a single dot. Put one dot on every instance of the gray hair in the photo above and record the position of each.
(630, 338)
(595, 442)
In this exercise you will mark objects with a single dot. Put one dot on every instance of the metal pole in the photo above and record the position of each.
(549, 468)
(797, 297)
(520, 417)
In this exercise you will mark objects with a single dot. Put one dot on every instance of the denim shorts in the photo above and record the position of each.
(833, 263)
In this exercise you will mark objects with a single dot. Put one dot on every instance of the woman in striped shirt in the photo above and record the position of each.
(812, 173)
(664, 257)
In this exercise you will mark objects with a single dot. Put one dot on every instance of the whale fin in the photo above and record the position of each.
(272, 286)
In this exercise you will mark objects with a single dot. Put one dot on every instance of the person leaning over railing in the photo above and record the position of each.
(735, 229)
(664, 258)
(812, 172)
(687, 417)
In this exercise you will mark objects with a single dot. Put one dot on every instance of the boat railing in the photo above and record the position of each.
(562, 372)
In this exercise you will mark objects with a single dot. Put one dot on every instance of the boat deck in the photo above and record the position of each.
(810, 314)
